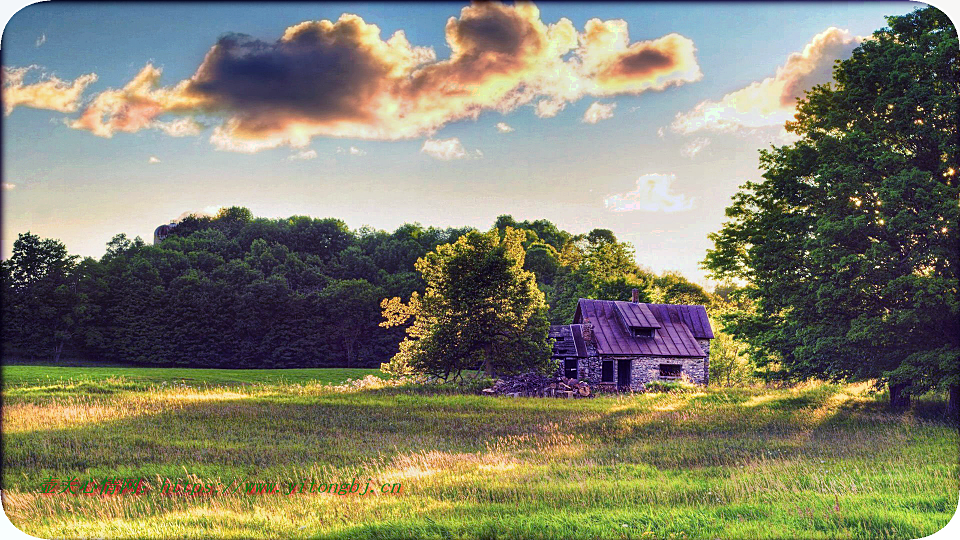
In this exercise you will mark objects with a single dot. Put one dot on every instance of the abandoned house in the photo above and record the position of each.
(619, 345)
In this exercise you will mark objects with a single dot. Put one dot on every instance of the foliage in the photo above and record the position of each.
(480, 309)
(849, 244)
(238, 291)
(42, 308)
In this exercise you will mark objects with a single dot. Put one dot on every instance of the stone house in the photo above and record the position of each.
(618, 345)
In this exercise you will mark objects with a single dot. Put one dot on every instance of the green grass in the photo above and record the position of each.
(818, 461)
(38, 378)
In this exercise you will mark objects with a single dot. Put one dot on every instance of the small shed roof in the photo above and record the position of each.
(568, 340)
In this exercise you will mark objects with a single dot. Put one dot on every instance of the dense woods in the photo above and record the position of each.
(237, 291)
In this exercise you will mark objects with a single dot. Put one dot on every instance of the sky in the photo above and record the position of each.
(640, 118)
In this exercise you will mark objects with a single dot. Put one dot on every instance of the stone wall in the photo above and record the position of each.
(646, 368)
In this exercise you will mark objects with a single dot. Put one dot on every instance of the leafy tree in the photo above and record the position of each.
(850, 243)
(41, 304)
(480, 309)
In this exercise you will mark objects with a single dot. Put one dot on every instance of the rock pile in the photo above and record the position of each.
(536, 385)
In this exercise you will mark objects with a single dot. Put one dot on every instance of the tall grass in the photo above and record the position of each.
(819, 461)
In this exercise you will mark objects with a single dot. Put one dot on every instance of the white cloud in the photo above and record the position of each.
(652, 194)
(41, 40)
(447, 149)
(548, 108)
(7, 186)
(503, 127)
(598, 111)
(303, 155)
(772, 101)
(181, 127)
(153, 159)
(353, 151)
(695, 146)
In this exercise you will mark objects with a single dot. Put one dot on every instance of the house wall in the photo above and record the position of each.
(645, 369)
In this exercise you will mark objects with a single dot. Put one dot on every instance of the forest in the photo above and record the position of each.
(233, 290)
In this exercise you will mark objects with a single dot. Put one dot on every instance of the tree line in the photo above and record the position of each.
(233, 290)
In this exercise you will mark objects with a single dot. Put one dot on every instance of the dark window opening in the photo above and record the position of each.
(670, 371)
(643, 332)
(606, 371)
(570, 369)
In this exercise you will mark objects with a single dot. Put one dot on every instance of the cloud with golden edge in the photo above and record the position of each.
(342, 79)
(772, 101)
(652, 194)
(48, 93)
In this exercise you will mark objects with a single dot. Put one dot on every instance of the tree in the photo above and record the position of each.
(352, 309)
(850, 243)
(41, 304)
(480, 309)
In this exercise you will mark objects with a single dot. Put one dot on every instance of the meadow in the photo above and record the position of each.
(813, 461)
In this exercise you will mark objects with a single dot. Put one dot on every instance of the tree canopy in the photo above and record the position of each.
(480, 310)
(849, 244)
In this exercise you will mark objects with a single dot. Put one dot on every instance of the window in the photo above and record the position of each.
(570, 368)
(643, 332)
(670, 371)
(606, 371)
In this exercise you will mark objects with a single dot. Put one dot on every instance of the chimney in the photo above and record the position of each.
(635, 296)
(587, 330)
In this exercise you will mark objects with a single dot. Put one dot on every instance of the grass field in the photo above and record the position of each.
(817, 461)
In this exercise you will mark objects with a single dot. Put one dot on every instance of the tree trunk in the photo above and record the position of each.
(58, 349)
(898, 398)
(953, 404)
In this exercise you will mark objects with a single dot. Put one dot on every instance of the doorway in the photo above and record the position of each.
(623, 374)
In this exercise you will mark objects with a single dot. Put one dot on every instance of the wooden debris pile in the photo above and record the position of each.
(536, 385)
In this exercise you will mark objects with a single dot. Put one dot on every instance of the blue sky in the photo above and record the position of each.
(657, 180)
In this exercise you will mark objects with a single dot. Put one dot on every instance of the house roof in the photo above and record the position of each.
(568, 340)
(677, 327)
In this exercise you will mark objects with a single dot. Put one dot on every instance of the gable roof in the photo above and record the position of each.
(677, 327)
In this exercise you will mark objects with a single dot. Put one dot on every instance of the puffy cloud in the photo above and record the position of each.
(503, 127)
(135, 106)
(303, 155)
(447, 149)
(153, 159)
(41, 40)
(772, 101)
(695, 146)
(48, 93)
(342, 79)
(598, 111)
(652, 194)
(7, 186)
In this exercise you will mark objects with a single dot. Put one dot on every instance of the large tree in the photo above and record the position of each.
(480, 309)
(850, 244)
(41, 303)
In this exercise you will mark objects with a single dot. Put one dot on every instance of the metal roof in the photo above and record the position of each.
(678, 327)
